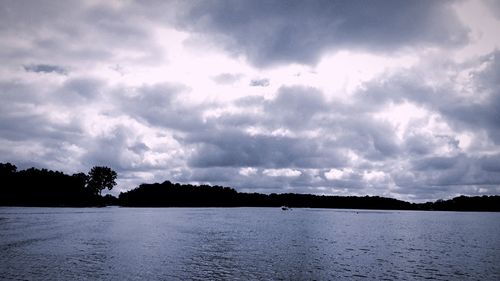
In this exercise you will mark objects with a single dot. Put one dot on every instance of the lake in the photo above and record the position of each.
(246, 244)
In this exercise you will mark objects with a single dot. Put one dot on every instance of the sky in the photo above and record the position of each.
(388, 98)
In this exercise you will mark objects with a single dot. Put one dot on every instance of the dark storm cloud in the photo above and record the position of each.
(264, 82)
(269, 32)
(21, 126)
(23, 118)
(491, 163)
(159, 105)
(418, 144)
(45, 68)
(73, 32)
(435, 163)
(494, 7)
(434, 177)
(295, 106)
(374, 140)
(80, 89)
(484, 116)
(232, 148)
(226, 141)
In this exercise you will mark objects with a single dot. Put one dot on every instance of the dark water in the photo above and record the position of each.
(246, 244)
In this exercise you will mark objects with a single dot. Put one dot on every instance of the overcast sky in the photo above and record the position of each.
(389, 98)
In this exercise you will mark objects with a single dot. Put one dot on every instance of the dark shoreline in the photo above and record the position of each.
(169, 194)
(323, 208)
(44, 188)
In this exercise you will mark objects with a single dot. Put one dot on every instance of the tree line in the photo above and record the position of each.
(42, 187)
(168, 194)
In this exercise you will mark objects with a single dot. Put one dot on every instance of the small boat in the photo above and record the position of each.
(285, 208)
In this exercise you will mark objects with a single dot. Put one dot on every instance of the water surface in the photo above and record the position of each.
(246, 244)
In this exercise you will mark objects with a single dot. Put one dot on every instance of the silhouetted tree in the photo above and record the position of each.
(100, 178)
(81, 179)
(42, 187)
(7, 168)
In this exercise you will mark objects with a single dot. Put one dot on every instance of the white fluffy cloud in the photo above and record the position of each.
(281, 172)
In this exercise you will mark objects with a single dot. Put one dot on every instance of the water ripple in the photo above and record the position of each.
(246, 244)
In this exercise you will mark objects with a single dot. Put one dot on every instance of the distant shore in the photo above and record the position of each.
(45, 188)
(168, 194)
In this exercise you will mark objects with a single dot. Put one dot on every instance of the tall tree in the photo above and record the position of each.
(101, 178)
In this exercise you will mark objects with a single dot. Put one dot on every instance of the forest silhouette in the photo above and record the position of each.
(42, 187)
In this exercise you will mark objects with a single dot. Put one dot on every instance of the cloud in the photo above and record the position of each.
(32, 132)
(435, 163)
(248, 171)
(227, 78)
(26, 114)
(494, 7)
(81, 89)
(282, 172)
(299, 129)
(74, 34)
(337, 174)
(158, 105)
(469, 109)
(271, 32)
(404, 102)
(45, 68)
(491, 163)
(231, 148)
(119, 147)
(295, 141)
(296, 106)
(260, 82)
(436, 176)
